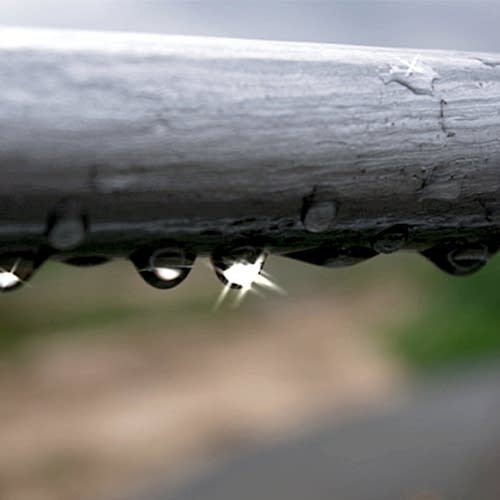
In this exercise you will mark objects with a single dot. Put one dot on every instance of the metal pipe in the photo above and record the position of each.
(111, 142)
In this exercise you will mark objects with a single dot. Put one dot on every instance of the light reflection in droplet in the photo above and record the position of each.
(247, 276)
(163, 267)
(243, 273)
(8, 279)
(167, 273)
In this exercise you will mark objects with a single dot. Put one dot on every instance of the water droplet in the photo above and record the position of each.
(67, 227)
(333, 256)
(319, 216)
(470, 259)
(343, 260)
(239, 267)
(391, 240)
(459, 259)
(414, 74)
(16, 268)
(163, 267)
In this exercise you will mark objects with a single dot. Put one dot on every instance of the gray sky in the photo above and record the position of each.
(459, 24)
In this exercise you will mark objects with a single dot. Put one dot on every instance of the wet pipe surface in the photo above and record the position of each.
(160, 148)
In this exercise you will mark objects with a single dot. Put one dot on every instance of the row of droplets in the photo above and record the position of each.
(162, 267)
(165, 266)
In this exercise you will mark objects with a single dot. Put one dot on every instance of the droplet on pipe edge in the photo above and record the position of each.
(238, 267)
(17, 267)
(163, 267)
(67, 226)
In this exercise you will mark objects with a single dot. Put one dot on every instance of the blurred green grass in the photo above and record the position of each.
(459, 323)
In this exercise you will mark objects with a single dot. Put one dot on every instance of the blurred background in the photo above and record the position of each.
(108, 386)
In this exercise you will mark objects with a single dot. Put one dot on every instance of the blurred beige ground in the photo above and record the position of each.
(98, 413)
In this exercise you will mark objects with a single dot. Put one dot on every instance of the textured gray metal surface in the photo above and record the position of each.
(208, 141)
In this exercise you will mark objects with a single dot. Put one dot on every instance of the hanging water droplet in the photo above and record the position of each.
(391, 240)
(349, 257)
(469, 260)
(67, 227)
(319, 216)
(239, 267)
(333, 256)
(459, 259)
(164, 267)
(16, 268)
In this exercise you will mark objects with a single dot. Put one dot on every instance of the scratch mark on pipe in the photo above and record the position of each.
(488, 212)
(425, 178)
(442, 104)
